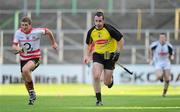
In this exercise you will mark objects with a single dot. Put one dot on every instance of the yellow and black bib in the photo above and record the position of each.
(105, 39)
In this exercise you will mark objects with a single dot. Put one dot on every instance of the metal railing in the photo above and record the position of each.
(134, 55)
(61, 34)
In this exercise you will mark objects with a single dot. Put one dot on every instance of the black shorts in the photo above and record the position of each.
(35, 60)
(107, 63)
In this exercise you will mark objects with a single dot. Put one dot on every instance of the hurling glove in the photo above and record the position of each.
(115, 56)
(23, 49)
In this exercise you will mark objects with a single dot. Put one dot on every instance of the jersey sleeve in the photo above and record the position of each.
(170, 49)
(88, 38)
(153, 45)
(114, 32)
(41, 30)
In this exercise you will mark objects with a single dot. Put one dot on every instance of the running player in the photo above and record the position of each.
(108, 43)
(26, 42)
(160, 53)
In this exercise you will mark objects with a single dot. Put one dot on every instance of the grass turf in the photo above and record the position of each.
(80, 98)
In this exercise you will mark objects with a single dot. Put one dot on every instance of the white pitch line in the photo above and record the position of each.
(123, 108)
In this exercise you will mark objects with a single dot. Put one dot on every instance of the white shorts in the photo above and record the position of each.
(162, 65)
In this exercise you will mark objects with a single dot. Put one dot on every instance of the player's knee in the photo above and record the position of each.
(25, 71)
(107, 82)
(96, 77)
(159, 76)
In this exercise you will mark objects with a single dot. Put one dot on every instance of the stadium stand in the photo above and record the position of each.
(74, 25)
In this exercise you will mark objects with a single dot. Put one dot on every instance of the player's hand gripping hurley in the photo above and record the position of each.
(23, 49)
(115, 58)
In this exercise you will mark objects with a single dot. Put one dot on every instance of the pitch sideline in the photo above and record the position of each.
(124, 108)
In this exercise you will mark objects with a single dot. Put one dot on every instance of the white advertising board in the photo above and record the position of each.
(43, 74)
(76, 73)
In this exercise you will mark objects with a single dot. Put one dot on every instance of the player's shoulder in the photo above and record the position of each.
(169, 44)
(91, 29)
(18, 32)
(38, 29)
(108, 26)
(154, 43)
(111, 28)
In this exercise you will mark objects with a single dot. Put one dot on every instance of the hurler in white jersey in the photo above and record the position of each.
(30, 42)
(160, 54)
(26, 42)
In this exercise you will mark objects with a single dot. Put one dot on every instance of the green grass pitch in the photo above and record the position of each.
(80, 98)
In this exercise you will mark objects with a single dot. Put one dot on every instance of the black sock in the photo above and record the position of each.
(98, 96)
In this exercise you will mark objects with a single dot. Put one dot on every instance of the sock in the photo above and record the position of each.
(98, 96)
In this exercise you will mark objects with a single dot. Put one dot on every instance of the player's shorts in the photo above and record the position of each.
(162, 65)
(108, 63)
(35, 60)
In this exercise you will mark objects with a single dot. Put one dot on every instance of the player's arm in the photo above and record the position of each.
(51, 37)
(172, 57)
(15, 45)
(88, 48)
(150, 52)
(87, 54)
(171, 52)
(16, 48)
(116, 35)
(150, 56)
(120, 44)
(119, 38)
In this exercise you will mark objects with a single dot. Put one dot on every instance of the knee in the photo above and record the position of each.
(96, 77)
(25, 71)
(159, 76)
(107, 82)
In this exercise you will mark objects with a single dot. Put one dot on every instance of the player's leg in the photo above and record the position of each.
(166, 81)
(98, 66)
(159, 71)
(102, 77)
(24, 76)
(159, 74)
(97, 71)
(108, 78)
(26, 72)
(27, 68)
(108, 73)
